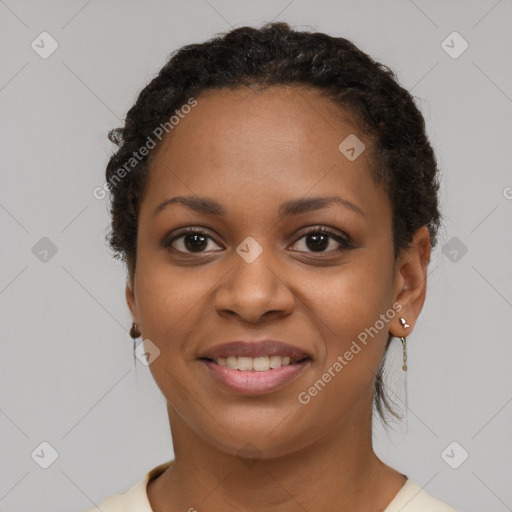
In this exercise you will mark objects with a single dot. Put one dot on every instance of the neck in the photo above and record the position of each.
(340, 472)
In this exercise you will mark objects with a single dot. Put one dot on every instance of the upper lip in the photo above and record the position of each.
(255, 349)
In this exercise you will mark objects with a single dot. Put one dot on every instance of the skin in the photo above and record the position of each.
(252, 150)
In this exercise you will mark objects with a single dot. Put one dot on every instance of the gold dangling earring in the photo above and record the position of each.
(134, 333)
(404, 348)
(405, 325)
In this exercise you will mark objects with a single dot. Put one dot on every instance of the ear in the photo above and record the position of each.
(411, 281)
(130, 300)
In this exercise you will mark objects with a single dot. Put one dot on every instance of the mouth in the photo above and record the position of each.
(255, 368)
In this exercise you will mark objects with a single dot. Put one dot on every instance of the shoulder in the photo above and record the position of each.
(133, 500)
(412, 498)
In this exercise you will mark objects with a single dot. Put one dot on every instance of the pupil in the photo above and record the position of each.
(199, 242)
(321, 241)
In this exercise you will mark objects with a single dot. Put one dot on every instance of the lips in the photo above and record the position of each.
(255, 367)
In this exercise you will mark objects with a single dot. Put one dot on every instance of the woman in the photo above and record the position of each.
(274, 197)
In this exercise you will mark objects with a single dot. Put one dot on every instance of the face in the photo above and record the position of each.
(267, 256)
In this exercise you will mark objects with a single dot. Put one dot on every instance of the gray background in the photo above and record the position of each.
(67, 372)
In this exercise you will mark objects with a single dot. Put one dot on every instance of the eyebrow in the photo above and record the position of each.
(287, 209)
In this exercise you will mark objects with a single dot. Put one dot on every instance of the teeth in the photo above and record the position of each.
(258, 364)
(261, 364)
(245, 363)
(275, 361)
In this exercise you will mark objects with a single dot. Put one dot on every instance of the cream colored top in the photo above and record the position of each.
(410, 498)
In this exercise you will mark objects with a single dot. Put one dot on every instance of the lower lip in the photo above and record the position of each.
(256, 383)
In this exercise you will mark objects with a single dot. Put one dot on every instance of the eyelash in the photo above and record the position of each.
(344, 241)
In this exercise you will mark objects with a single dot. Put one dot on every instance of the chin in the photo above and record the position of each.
(264, 438)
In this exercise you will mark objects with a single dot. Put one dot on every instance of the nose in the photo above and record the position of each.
(254, 291)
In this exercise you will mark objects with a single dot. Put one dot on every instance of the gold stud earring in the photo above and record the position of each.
(404, 323)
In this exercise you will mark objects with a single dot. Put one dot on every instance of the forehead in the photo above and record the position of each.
(290, 120)
(280, 140)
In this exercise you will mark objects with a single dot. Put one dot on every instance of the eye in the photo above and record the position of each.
(189, 241)
(320, 238)
(317, 239)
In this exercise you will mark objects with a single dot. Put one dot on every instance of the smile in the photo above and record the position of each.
(255, 375)
(254, 367)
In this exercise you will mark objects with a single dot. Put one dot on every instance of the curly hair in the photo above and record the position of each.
(403, 160)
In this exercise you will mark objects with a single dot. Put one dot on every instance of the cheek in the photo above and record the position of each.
(347, 314)
(169, 299)
(170, 302)
(354, 312)
(352, 299)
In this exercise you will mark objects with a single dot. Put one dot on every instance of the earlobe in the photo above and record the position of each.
(130, 301)
(411, 281)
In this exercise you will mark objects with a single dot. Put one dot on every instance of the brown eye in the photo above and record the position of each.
(189, 241)
(324, 240)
